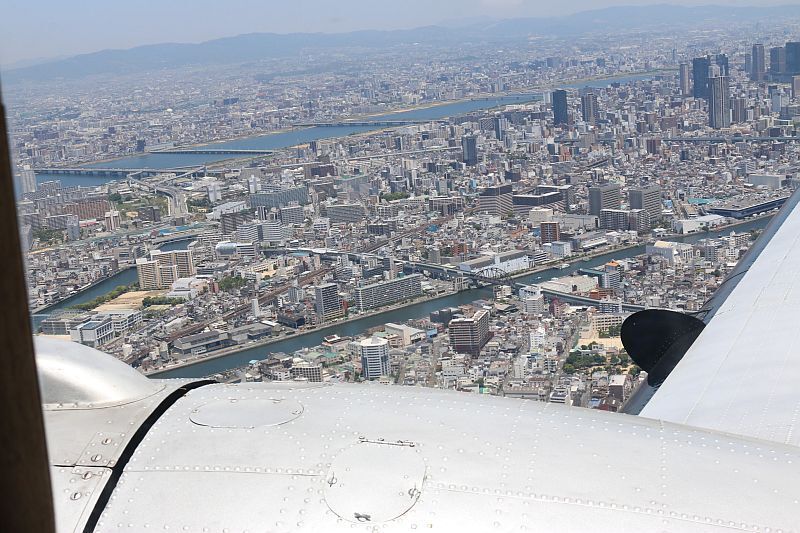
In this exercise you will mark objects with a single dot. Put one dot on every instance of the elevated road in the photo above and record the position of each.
(99, 172)
(728, 139)
(585, 300)
(375, 123)
(213, 151)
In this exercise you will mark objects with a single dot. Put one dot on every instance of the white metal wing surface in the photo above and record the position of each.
(741, 375)
(312, 457)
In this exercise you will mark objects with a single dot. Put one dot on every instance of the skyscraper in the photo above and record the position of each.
(719, 104)
(374, 357)
(738, 109)
(777, 61)
(499, 126)
(148, 274)
(700, 77)
(758, 63)
(469, 147)
(685, 82)
(792, 58)
(589, 109)
(700, 73)
(560, 114)
(721, 60)
(607, 196)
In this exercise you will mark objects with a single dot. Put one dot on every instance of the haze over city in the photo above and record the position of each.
(32, 31)
(356, 266)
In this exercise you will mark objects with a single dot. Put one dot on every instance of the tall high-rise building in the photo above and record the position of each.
(154, 274)
(758, 63)
(721, 60)
(700, 73)
(469, 335)
(719, 103)
(374, 357)
(700, 77)
(497, 200)
(182, 260)
(685, 80)
(796, 86)
(168, 275)
(608, 196)
(792, 58)
(611, 276)
(777, 61)
(148, 274)
(560, 113)
(738, 109)
(327, 301)
(469, 148)
(647, 198)
(589, 109)
(499, 126)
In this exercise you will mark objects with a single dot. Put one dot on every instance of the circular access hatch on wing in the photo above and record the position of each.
(246, 414)
(375, 481)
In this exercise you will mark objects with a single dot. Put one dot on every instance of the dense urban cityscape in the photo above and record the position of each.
(477, 219)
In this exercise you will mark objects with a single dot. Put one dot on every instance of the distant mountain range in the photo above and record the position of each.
(257, 46)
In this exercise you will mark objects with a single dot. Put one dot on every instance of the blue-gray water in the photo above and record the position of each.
(292, 138)
(126, 277)
(419, 310)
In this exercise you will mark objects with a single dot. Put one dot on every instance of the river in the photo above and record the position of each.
(420, 310)
(125, 277)
(286, 139)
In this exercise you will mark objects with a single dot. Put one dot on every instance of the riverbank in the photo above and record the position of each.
(79, 292)
(716, 229)
(240, 355)
(272, 340)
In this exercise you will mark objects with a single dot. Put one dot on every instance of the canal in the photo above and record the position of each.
(420, 310)
(125, 277)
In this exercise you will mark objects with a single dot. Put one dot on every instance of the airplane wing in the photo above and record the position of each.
(131, 454)
(742, 372)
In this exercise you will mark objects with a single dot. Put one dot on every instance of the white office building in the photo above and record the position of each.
(374, 357)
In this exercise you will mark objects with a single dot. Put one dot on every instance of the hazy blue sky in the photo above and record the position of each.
(50, 28)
